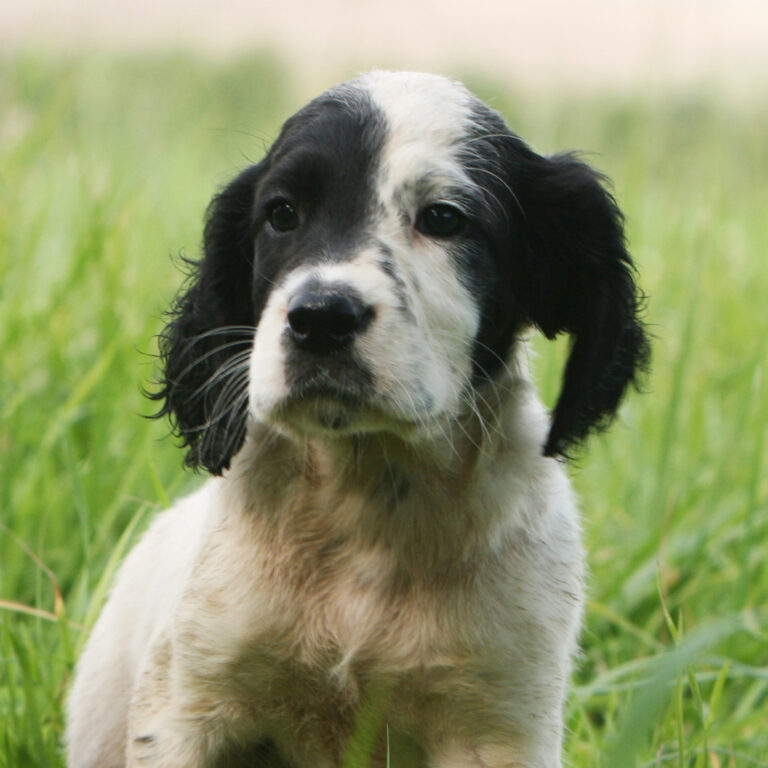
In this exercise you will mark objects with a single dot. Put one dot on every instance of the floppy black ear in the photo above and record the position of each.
(204, 348)
(578, 278)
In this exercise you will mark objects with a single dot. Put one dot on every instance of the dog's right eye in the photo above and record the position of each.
(282, 216)
(441, 220)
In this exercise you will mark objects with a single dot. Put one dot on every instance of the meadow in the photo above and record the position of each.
(106, 166)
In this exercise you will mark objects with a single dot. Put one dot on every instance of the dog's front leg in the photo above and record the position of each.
(163, 729)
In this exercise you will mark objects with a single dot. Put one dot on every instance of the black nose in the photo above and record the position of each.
(325, 322)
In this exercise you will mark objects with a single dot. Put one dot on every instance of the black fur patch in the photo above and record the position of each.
(387, 266)
(558, 261)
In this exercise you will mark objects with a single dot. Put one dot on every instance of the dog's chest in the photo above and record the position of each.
(303, 636)
(317, 602)
(333, 607)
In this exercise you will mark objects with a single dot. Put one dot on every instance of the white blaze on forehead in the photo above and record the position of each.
(420, 107)
(427, 118)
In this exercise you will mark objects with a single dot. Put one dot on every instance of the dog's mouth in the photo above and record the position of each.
(319, 401)
(329, 408)
(313, 413)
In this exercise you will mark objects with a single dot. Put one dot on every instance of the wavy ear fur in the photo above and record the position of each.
(579, 279)
(203, 389)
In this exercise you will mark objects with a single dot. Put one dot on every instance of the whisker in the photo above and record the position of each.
(224, 329)
(237, 381)
(234, 435)
(226, 369)
(217, 413)
(210, 353)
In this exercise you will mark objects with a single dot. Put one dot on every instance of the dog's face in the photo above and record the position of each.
(367, 245)
(374, 270)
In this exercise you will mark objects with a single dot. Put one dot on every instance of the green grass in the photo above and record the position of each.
(106, 165)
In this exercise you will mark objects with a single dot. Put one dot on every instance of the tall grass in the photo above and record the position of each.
(106, 165)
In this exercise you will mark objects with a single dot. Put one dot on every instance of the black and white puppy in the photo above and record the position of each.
(388, 519)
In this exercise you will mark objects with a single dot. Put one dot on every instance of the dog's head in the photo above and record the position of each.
(379, 262)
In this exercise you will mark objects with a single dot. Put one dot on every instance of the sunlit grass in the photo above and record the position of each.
(105, 168)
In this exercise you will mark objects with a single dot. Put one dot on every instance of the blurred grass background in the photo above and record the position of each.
(106, 165)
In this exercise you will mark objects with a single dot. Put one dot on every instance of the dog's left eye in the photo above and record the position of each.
(441, 220)
(283, 216)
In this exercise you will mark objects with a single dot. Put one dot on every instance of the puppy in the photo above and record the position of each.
(388, 527)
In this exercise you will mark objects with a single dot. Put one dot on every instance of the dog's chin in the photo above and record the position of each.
(336, 413)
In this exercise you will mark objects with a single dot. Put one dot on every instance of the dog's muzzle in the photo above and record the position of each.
(327, 381)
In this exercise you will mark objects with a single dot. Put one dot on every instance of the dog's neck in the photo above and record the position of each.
(427, 501)
(448, 448)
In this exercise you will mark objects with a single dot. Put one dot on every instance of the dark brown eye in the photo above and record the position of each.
(282, 216)
(441, 220)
